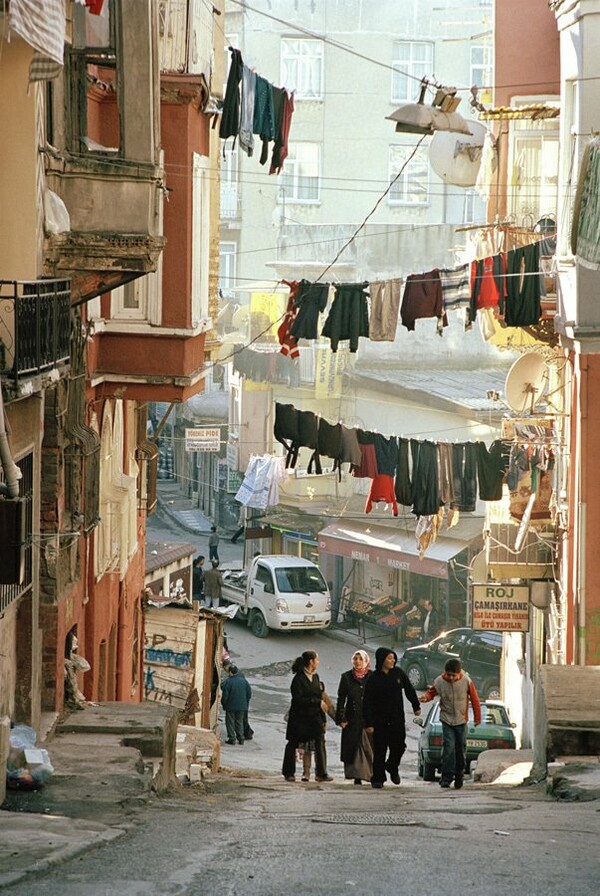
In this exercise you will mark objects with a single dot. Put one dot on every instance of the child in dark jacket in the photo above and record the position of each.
(455, 689)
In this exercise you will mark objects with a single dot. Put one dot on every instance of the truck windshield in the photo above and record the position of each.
(305, 579)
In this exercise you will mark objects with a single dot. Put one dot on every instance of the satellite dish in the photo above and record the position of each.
(478, 571)
(525, 383)
(456, 158)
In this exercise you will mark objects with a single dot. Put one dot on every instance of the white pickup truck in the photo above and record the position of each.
(279, 592)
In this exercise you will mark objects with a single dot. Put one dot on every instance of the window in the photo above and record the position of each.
(533, 164)
(230, 188)
(200, 237)
(93, 60)
(411, 61)
(302, 67)
(299, 181)
(481, 66)
(227, 266)
(412, 186)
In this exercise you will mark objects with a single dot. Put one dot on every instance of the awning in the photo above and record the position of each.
(388, 547)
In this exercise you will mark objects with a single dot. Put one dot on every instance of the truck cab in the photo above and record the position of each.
(285, 593)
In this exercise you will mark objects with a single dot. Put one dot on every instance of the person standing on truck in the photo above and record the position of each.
(213, 585)
(213, 544)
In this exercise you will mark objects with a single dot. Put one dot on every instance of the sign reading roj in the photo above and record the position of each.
(501, 608)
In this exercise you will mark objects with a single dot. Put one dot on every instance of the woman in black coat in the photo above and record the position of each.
(356, 749)
(306, 719)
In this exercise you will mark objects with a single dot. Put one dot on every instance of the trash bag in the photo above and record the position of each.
(27, 766)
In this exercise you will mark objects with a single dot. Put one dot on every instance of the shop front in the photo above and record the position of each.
(380, 579)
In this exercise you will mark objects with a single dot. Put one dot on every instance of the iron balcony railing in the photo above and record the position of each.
(35, 326)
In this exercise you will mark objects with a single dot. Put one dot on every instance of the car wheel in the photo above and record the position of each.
(491, 691)
(428, 771)
(414, 673)
(259, 626)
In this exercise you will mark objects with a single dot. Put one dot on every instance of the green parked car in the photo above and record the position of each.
(496, 732)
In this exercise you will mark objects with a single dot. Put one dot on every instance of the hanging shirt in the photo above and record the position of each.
(230, 117)
(423, 298)
(382, 489)
(264, 115)
(284, 110)
(289, 343)
(488, 283)
(456, 288)
(311, 299)
(349, 315)
(492, 466)
(247, 110)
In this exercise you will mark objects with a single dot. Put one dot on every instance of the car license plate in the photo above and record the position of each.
(476, 743)
(309, 618)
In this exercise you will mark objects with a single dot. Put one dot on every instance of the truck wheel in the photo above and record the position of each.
(259, 626)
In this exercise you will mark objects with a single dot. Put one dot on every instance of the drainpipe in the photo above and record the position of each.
(12, 474)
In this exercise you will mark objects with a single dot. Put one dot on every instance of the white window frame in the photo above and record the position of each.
(485, 67)
(401, 192)
(230, 182)
(302, 67)
(292, 174)
(227, 254)
(532, 190)
(408, 70)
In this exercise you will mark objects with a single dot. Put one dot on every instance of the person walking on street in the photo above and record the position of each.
(213, 544)
(431, 625)
(383, 715)
(455, 690)
(198, 579)
(235, 700)
(306, 717)
(213, 585)
(356, 746)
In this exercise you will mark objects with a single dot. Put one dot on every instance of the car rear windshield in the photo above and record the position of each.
(306, 579)
(490, 715)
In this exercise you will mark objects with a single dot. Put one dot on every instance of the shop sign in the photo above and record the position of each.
(234, 480)
(501, 608)
(205, 438)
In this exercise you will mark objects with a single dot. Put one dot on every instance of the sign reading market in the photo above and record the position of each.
(501, 608)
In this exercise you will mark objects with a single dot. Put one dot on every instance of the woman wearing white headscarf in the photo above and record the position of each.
(356, 748)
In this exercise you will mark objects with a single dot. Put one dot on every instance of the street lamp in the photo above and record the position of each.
(419, 118)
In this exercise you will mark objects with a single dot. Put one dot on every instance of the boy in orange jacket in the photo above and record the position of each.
(455, 689)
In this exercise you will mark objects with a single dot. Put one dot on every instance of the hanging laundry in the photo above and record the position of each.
(456, 288)
(464, 469)
(330, 439)
(402, 484)
(489, 163)
(296, 429)
(230, 117)
(445, 472)
(350, 448)
(283, 103)
(423, 298)
(492, 466)
(385, 307)
(247, 110)
(289, 343)
(426, 496)
(368, 464)
(260, 486)
(382, 490)
(349, 315)
(523, 288)
(488, 283)
(264, 115)
(386, 452)
(311, 299)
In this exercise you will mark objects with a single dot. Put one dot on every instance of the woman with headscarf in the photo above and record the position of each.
(383, 715)
(357, 747)
(306, 717)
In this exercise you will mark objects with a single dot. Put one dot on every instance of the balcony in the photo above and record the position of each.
(35, 327)
(535, 559)
(231, 205)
